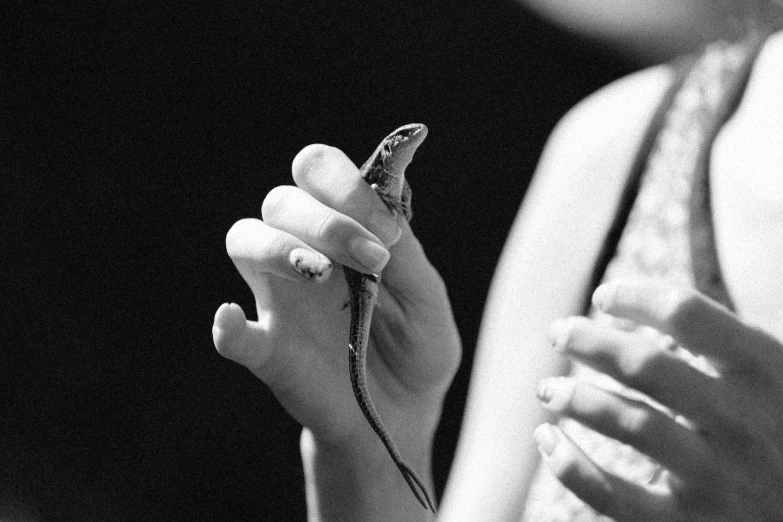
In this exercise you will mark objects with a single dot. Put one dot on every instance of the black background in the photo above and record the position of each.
(134, 134)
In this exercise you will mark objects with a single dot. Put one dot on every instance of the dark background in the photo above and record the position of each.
(134, 134)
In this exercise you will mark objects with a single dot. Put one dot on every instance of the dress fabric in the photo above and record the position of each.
(666, 234)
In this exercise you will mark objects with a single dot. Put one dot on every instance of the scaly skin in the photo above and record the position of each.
(385, 172)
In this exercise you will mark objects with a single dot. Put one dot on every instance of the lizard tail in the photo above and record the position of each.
(417, 487)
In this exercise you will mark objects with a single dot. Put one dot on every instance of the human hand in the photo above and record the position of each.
(721, 443)
(298, 347)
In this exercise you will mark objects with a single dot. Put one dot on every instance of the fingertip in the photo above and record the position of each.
(311, 158)
(548, 438)
(603, 295)
(237, 235)
(273, 199)
(559, 333)
(370, 255)
(397, 230)
(229, 314)
(228, 329)
(331, 178)
(556, 393)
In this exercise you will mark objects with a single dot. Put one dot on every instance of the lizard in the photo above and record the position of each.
(385, 172)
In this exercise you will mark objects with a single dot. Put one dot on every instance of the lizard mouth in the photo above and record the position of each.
(408, 136)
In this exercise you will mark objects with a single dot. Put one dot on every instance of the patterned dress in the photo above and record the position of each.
(666, 234)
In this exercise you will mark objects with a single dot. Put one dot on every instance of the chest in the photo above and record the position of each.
(746, 174)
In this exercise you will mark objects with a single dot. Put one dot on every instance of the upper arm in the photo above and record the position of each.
(542, 275)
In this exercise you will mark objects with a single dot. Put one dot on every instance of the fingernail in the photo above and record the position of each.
(368, 253)
(310, 265)
(556, 393)
(558, 334)
(384, 225)
(544, 391)
(547, 438)
(229, 316)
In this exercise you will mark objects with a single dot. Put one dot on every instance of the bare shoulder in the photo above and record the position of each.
(599, 137)
(569, 207)
(541, 277)
(582, 171)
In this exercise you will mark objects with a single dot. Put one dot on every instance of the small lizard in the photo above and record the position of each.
(385, 172)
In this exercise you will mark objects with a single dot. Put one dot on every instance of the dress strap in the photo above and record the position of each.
(682, 68)
(705, 267)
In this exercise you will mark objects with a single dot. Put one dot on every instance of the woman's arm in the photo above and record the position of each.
(298, 346)
(542, 276)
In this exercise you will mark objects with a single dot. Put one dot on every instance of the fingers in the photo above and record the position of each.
(632, 422)
(238, 339)
(298, 214)
(696, 322)
(642, 364)
(330, 177)
(732, 414)
(605, 492)
(256, 249)
(300, 233)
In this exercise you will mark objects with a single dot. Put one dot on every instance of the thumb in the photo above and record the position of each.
(409, 272)
(238, 339)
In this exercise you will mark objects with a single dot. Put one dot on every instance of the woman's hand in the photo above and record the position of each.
(720, 438)
(299, 345)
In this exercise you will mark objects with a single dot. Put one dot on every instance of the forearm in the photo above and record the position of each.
(361, 483)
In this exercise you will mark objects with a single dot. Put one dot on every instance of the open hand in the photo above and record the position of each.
(719, 438)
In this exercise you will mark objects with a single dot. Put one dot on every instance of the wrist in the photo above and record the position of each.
(358, 480)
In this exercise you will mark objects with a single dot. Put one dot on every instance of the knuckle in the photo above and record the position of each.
(730, 427)
(325, 227)
(681, 307)
(636, 424)
(636, 365)
(651, 373)
(574, 475)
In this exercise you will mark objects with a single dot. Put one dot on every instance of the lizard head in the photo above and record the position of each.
(385, 170)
